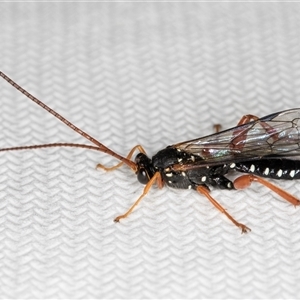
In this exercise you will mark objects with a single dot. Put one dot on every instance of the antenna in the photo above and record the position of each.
(100, 146)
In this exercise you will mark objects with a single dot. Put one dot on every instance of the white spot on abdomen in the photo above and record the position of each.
(252, 168)
(292, 173)
(266, 171)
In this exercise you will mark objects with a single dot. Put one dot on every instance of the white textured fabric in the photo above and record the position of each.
(152, 74)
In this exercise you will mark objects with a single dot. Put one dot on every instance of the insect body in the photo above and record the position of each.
(260, 147)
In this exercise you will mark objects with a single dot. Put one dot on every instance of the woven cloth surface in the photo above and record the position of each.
(152, 74)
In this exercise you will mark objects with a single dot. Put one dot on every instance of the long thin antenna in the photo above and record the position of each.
(52, 145)
(100, 146)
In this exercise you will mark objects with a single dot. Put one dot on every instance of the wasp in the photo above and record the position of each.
(266, 147)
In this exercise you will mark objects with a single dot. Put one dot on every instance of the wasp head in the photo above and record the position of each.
(145, 169)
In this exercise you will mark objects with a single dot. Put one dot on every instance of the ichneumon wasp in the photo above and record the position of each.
(261, 147)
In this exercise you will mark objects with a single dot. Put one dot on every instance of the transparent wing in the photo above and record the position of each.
(276, 134)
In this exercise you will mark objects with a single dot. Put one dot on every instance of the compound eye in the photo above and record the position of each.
(142, 176)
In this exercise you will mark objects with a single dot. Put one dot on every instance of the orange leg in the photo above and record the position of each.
(217, 128)
(204, 191)
(139, 147)
(246, 119)
(156, 178)
(240, 134)
(246, 180)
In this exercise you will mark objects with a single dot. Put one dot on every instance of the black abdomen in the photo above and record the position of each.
(276, 168)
